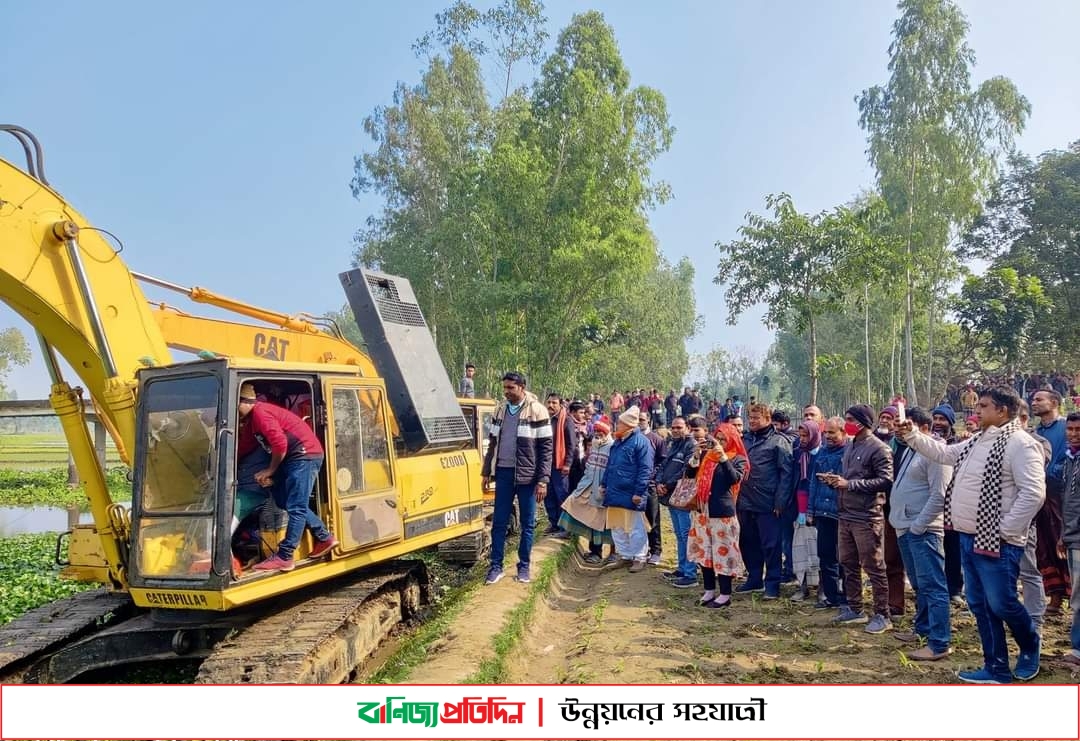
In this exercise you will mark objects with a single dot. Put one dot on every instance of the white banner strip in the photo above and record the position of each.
(540, 712)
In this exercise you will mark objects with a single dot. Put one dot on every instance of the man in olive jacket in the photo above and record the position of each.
(762, 500)
(867, 477)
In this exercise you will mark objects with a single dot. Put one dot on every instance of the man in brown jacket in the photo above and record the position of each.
(867, 478)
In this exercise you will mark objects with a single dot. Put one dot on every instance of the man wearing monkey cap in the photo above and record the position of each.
(867, 478)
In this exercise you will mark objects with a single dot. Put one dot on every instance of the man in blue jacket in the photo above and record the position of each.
(762, 500)
(823, 512)
(625, 488)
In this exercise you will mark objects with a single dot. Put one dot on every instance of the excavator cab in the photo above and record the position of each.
(188, 485)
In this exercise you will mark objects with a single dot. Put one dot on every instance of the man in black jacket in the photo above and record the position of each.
(861, 490)
(671, 407)
(762, 500)
(564, 448)
(676, 452)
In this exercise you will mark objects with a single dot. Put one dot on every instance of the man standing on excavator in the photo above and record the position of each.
(296, 456)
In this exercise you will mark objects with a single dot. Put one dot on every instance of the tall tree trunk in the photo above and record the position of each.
(893, 365)
(909, 367)
(930, 350)
(909, 314)
(866, 336)
(813, 359)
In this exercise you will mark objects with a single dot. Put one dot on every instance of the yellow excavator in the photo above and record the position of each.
(301, 338)
(402, 470)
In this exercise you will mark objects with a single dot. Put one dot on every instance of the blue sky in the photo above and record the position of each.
(217, 139)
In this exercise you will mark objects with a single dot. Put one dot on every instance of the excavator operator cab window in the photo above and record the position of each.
(480, 434)
(361, 449)
(179, 481)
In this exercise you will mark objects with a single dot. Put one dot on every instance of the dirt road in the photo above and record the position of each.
(608, 625)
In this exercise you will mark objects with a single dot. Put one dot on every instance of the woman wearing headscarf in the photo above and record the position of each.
(804, 555)
(714, 529)
(584, 514)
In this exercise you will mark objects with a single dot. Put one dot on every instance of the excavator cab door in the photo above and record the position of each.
(181, 459)
(360, 463)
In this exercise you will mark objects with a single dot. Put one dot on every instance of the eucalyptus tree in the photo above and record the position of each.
(524, 223)
(934, 140)
(798, 265)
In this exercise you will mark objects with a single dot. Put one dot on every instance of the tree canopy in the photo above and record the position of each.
(523, 223)
(13, 351)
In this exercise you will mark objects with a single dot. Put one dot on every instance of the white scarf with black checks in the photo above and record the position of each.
(988, 516)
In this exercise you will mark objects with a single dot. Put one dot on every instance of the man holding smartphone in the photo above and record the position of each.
(998, 485)
(861, 491)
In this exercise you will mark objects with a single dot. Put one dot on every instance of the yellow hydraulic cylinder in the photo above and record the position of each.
(67, 403)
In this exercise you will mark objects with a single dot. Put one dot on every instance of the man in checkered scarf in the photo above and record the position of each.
(997, 487)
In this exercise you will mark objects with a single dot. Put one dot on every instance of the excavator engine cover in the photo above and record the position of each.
(404, 353)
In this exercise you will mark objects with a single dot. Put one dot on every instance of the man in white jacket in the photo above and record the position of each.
(917, 513)
(997, 487)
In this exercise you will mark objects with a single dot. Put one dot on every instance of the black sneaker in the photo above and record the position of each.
(748, 587)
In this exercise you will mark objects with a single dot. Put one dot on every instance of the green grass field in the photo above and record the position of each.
(33, 472)
(32, 452)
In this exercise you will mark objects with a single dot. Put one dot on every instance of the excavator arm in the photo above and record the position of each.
(195, 334)
(61, 276)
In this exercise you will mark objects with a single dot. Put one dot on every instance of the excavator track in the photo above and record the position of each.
(50, 626)
(314, 636)
(324, 639)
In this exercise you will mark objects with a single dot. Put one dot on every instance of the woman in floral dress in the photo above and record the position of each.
(714, 529)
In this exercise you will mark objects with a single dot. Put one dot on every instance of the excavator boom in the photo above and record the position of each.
(51, 262)
(196, 334)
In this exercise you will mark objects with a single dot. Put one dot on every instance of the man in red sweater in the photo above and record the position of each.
(295, 457)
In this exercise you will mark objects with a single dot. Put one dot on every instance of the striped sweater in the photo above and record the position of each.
(534, 444)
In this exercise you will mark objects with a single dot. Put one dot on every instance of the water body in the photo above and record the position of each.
(19, 520)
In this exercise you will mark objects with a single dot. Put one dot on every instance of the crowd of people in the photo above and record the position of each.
(981, 513)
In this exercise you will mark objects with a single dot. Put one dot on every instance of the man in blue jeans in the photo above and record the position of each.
(764, 496)
(998, 487)
(518, 459)
(671, 466)
(917, 515)
(296, 456)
